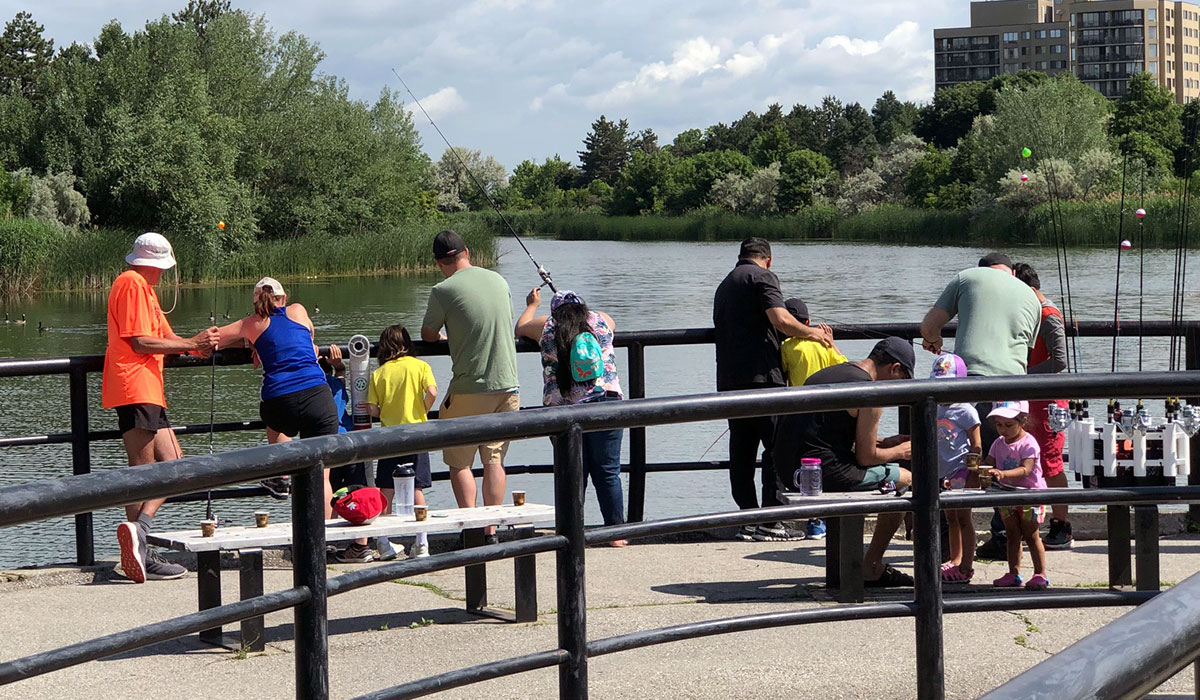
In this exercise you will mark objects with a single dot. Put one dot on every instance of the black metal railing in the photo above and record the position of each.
(81, 436)
(305, 459)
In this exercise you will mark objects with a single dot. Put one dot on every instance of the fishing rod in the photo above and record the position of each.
(212, 392)
(546, 280)
(1120, 249)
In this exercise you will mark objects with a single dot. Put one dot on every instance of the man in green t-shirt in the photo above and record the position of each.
(475, 307)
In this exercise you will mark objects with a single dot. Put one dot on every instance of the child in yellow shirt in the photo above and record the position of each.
(802, 359)
(401, 392)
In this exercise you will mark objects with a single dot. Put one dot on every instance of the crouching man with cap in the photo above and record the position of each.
(138, 338)
(852, 456)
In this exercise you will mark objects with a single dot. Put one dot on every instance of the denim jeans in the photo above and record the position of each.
(602, 464)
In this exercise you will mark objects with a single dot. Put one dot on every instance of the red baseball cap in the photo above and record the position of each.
(358, 504)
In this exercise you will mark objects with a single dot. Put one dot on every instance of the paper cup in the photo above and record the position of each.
(261, 518)
(420, 512)
(518, 498)
(208, 528)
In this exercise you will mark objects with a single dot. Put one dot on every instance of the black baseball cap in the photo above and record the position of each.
(898, 350)
(447, 243)
(797, 308)
(995, 258)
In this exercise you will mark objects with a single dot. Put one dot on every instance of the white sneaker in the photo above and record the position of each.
(387, 550)
(418, 551)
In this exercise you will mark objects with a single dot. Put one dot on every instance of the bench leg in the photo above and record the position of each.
(833, 545)
(850, 555)
(525, 578)
(208, 588)
(251, 570)
(476, 574)
(1146, 540)
(1119, 573)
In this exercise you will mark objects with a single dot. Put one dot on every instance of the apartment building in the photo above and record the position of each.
(1103, 42)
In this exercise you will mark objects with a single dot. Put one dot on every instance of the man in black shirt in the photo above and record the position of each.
(749, 318)
(852, 457)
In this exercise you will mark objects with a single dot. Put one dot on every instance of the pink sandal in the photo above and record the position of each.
(955, 574)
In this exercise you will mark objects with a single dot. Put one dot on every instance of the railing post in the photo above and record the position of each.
(931, 681)
(572, 603)
(637, 437)
(1191, 355)
(81, 462)
(308, 570)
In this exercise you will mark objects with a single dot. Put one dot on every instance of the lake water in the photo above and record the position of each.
(644, 286)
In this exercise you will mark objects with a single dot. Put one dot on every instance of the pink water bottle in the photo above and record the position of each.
(808, 477)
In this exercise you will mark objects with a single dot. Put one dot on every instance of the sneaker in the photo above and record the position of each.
(995, 549)
(159, 569)
(745, 533)
(1059, 536)
(278, 487)
(1039, 582)
(777, 532)
(418, 551)
(133, 563)
(356, 554)
(1009, 580)
(815, 530)
(491, 539)
(387, 551)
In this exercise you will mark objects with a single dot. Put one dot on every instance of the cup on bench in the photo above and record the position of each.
(420, 512)
(518, 498)
(261, 518)
(208, 528)
(972, 461)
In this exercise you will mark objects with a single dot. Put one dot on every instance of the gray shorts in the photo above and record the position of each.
(878, 476)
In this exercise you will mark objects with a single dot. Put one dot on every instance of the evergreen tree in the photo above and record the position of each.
(24, 54)
(1146, 124)
(892, 118)
(605, 150)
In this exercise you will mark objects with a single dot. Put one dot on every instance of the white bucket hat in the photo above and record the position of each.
(152, 250)
(276, 287)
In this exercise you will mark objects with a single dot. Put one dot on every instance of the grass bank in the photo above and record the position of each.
(35, 256)
(1083, 224)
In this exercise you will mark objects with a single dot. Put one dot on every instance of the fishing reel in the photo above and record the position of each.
(1059, 418)
(1136, 423)
(547, 281)
(1189, 420)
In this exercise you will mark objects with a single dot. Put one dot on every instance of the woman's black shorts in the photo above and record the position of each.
(308, 412)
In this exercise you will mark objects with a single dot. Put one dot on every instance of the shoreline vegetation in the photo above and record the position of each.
(39, 257)
(1083, 224)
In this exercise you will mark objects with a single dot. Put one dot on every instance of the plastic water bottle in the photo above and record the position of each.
(405, 480)
(808, 477)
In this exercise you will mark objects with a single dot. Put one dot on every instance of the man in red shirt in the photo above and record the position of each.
(138, 338)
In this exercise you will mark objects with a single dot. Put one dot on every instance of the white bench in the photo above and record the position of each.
(249, 542)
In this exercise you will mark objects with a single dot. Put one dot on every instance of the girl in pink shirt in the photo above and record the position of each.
(1015, 459)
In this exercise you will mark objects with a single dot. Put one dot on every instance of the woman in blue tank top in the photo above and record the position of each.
(295, 396)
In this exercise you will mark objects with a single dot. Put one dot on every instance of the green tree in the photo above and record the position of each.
(949, 116)
(852, 145)
(644, 140)
(801, 175)
(1146, 123)
(1187, 158)
(647, 182)
(696, 176)
(771, 146)
(460, 176)
(688, 143)
(1021, 80)
(544, 186)
(892, 118)
(928, 175)
(24, 54)
(200, 13)
(605, 150)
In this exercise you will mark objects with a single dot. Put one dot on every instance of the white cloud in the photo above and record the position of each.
(443, 102)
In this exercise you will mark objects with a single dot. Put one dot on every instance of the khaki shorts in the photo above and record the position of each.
(460, 405)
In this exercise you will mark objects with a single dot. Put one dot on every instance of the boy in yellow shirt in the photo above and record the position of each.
(804, 358)
(401, 392)
(801, 359)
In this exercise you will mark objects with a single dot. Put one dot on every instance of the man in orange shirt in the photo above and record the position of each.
(138, 338)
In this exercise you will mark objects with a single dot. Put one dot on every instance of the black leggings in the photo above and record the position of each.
(308, 412)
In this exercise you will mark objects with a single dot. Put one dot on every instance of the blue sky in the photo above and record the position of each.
(525, 78)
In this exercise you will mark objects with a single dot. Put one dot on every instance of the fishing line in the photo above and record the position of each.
(1142, 262)
(1120, 248)
(546, 280)
(1178, 290)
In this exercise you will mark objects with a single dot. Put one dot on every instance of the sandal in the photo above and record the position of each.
(955, 574)
(890, 578)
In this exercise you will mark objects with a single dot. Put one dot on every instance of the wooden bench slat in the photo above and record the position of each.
(280, 534)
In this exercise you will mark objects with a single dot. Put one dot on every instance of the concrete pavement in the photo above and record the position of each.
(396, 632)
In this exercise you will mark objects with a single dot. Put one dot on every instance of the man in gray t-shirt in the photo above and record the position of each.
(475, 307)
(998, 318)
